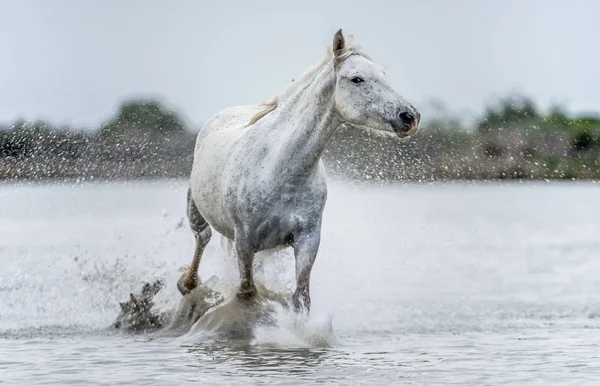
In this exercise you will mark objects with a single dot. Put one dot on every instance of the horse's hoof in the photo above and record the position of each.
(247, 293)
(184, 286)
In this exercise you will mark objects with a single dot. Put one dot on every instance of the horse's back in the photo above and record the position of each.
(229, 121)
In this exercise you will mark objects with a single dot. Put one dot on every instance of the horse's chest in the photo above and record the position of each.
(281, 200)
(274, 212)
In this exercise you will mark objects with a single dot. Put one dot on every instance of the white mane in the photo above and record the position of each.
(307, 78)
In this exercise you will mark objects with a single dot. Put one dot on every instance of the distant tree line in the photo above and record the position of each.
(512, 139)
(143, 140)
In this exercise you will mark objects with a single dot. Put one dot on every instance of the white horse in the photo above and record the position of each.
(257, 176)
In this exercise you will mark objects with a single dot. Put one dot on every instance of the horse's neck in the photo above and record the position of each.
(306, 122)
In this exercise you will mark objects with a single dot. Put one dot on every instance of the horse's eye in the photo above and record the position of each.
(357, 79)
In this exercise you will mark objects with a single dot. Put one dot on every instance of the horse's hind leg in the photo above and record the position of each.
(202, 232)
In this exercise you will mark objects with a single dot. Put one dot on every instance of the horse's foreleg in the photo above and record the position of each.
(245, 256)
(305, 251)
(202, 232)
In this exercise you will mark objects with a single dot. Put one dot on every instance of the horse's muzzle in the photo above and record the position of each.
(406, 122)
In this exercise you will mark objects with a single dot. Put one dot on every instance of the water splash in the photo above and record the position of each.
(293, 330)
(267, 320)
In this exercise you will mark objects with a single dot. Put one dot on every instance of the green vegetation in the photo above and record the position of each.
(143, 140)
(512, 139)
(142, 119)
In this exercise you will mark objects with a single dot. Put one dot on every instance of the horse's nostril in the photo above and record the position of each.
(407, 119)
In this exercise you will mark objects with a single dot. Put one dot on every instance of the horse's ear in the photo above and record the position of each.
(339, 43)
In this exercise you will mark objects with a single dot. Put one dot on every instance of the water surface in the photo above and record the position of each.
(423, 283)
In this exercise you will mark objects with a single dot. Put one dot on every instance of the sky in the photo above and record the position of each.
(72, 62)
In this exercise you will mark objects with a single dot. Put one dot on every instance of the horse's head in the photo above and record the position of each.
(363, 96)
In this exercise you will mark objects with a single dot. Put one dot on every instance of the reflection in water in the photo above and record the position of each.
(244, 356)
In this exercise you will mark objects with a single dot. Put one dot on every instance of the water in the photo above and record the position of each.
(425, 284)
